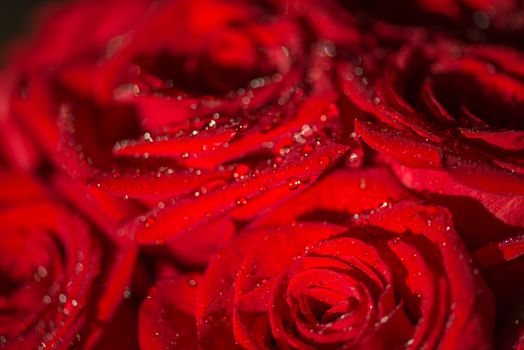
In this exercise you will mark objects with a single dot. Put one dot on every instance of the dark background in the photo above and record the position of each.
(16, 18)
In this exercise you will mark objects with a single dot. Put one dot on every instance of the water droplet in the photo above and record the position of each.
(41, 272)
(148, 222)
(241, 201)
(192, 282)
(256, 83)
(307, 150)
(395, 240)
(62, 298)
(241, 170)
(353, 157)
(353, 160)
(324, 160)
(147, 137)
(127, 293)
(293, 183)
(125, 91)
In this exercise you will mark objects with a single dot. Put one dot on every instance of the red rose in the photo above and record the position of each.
(167, 102)
(448, 108)
(171, 119)
(446, 118)
(176, 176)
(61, 279)
(168, 120)
(348, 271)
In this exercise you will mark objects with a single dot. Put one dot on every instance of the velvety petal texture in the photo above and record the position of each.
(390, 276)
(61, 279)
(167, 315)
(443, 105)
(264, 174)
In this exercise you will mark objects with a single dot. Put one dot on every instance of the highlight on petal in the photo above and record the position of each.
(164, 225)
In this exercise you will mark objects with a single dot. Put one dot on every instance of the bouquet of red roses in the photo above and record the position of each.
(273, 174)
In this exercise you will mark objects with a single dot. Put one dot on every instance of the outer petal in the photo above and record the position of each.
(167, 315)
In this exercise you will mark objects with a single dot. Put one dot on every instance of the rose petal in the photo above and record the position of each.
(167, 315)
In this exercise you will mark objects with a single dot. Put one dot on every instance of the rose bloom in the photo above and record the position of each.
(62, 278)
(329, 271)
(295, 174)
(166, 121)
(445, 117)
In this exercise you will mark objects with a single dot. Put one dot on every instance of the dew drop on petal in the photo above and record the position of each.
(241, 201)
(42, 271)
(192, 282)
(293, 183)
(62, 298)
(307, 150)
(148, 222)
(324, 160)
(353, 160)
(240, 170)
